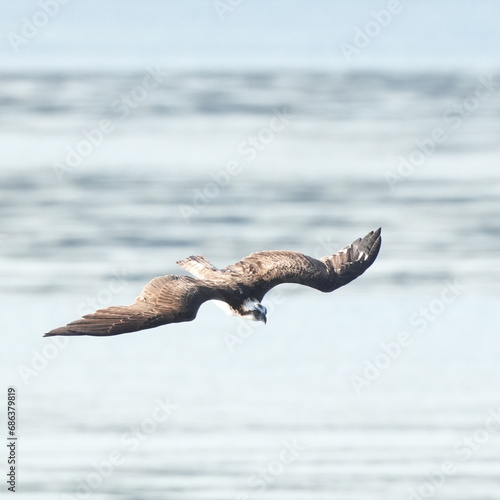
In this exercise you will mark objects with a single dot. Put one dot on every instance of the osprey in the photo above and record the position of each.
(239, 287)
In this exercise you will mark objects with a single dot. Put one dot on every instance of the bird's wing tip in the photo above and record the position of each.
(52, 334)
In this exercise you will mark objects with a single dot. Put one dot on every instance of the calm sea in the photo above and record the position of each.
(387, 389)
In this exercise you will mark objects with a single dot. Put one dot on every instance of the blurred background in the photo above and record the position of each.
(134, 134)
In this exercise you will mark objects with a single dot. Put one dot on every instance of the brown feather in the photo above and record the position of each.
(173, 299)
(261, 271)
(166, 299)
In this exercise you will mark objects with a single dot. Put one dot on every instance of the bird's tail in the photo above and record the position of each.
(199, 266)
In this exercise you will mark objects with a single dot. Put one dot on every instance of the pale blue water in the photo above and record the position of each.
(250, 34)
(133, 207)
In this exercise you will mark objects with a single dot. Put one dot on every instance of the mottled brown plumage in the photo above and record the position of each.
(174, 299)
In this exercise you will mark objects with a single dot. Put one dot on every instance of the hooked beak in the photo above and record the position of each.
(259, 313)
(261, 316)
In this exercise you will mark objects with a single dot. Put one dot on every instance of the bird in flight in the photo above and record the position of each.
(239, 287)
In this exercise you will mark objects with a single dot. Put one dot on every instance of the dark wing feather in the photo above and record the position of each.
(166, 299)
(261, 271)
(354, 259)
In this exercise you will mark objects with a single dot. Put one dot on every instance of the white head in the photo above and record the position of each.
(254, 311)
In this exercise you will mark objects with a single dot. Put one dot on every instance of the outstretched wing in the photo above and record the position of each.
(354, 259)
(166, 299)
(261, 271)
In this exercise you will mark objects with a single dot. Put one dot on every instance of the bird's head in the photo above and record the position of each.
(255, 311)
(260, 312)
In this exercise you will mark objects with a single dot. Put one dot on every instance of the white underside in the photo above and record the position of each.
(248, 305)
(224, 306)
